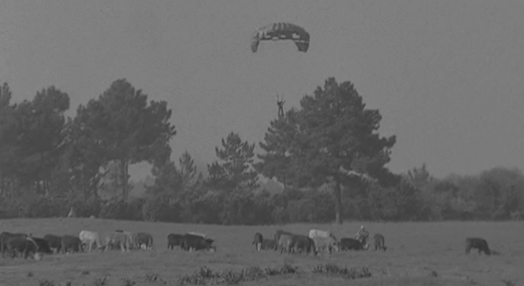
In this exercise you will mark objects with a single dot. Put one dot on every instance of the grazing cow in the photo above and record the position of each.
(326, 243)
(133, 239)
(90, 238)
(320, 233)
(268, 244)
(42, 244)
(351, 244)
(197, 242)
(197, 234)
(291, 243)
(258, 239)
(23, 246)
(478, 243)
(118, 239)
(379, 242)
(54, 242)
(323, 240)
(175, 240)
(130, 236)
(303, 243)
(285, 243)
(278, 233)
(6, 237)
(145, 239)
(70, 243)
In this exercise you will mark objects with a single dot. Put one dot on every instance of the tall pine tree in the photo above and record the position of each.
(333, 139)
(234, 170)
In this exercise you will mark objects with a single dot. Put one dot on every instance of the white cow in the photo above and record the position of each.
(197, 234)
(324, 240)
(90, 238)
(319, 233)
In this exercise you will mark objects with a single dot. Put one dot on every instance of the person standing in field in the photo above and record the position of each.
(362, 236)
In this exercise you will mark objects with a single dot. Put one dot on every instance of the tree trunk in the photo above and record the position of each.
(338, 202)
(2, 186)
(124, 178)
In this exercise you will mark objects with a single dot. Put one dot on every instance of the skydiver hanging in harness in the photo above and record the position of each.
(280, 103)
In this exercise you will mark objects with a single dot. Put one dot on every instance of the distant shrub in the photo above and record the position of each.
(13, 209)
(203, 209)
(347, 273)
(239, 208)
(44, 207)
(153, 278)
(100, 281)
(205, 276)
(113, 209)
(133, 209)
(157, 209)
(84, 208)
(253, 273)
(46, 283)
(313, 207)
(128, 282)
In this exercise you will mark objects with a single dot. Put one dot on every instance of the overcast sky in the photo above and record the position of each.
(447, 76)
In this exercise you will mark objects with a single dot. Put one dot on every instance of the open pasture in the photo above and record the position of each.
(417, 254)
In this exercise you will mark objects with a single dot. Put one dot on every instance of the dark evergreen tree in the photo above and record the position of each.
(332, 138)
(122, 126)
(235, 168)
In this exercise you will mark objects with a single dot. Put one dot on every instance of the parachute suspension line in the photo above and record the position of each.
(280, 104)
(281, 31)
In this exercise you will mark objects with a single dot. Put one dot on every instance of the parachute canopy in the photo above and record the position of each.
(281, 31)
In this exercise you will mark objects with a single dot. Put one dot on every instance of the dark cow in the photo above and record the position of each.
(54, 242)
(351, 244)
(43, 245)
(143, 238)
(258, 239)
(303, 243)
(478, 243)
(175, 240)
(197, 242)
(379, 242)
(70, 243)
(24, 246)
(291, 243)
(269, 244)
(5, 238)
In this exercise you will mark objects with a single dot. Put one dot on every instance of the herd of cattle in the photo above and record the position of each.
(315, 242)
(320, 240)
(25, 245)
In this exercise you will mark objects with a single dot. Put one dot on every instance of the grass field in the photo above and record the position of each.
(418, 254)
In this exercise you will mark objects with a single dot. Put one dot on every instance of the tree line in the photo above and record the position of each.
(327, 154)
